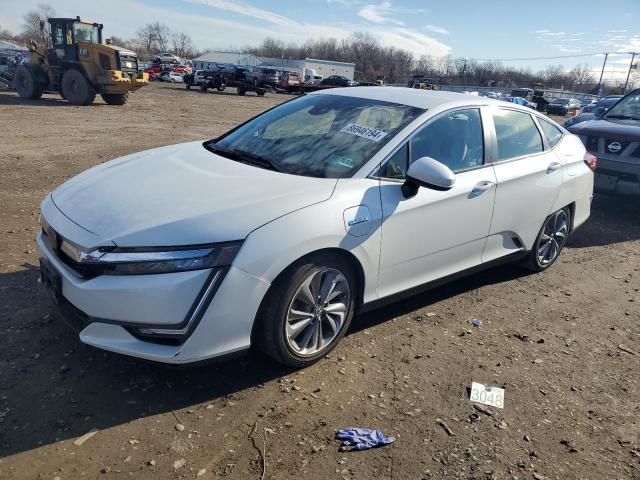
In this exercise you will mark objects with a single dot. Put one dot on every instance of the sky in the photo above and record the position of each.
(497, 29)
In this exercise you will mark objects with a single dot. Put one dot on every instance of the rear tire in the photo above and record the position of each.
(77, 89)
(550, 241)
(291, 330)
(241, 91)
(115, 98)
(25, 84)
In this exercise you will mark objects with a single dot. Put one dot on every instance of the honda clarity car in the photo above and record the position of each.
(276, 233)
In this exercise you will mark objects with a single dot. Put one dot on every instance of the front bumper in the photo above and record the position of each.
(108, 310)
(116, 82)
(616, 177)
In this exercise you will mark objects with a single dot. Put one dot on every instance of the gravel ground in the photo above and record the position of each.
(564, 345)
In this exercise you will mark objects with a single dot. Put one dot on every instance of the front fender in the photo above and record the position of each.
(270, 249)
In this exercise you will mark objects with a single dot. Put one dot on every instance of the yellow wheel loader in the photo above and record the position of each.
(76, 64)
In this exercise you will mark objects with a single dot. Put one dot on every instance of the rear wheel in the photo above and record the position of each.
(77, 89)
(25, 83)
(242, 90)
(115, 98)
(203, 88)
(551, 239)
(307, 311)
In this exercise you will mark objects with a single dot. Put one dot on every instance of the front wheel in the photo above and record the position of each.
(550, 241)
(115, 98)
(77, 89)
(307, 311)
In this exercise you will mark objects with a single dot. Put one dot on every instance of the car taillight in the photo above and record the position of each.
(591, 161)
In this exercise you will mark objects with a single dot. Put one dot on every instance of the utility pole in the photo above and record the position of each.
(601, 74)
(633, 56)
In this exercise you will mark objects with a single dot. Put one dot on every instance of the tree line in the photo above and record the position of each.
(372, 60)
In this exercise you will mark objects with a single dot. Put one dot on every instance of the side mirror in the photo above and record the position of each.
(429, 173)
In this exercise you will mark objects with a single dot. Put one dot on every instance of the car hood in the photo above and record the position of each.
(619, 129)
(182, 195)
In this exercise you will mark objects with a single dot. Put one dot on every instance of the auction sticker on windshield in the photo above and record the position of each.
(364, 132)
(492, 396)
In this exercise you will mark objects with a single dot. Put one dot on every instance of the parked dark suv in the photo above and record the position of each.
(262, 76)
(615, 139)
(337, 81)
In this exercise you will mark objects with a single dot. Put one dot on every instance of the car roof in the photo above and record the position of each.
(413, 97)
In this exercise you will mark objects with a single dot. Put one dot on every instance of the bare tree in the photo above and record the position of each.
(32, 19)
(162, 35)
(182, 44)
(153, 37)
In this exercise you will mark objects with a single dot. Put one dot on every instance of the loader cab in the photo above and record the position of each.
(66, 33)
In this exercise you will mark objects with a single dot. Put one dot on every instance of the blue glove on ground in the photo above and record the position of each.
(362, 438)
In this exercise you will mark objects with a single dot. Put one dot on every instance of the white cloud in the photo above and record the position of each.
(245, 9)
(378, 13)
(437, 29)
(414, 41)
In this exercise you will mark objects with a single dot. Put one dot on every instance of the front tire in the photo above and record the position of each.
(550, 241)
(115, 98)
(77, 89)
(307, 310)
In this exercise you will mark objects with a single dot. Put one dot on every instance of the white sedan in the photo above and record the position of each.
(277, 232)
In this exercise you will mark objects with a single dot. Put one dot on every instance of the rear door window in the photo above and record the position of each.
(516, 134)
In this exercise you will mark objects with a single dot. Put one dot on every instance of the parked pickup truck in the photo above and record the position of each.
(193, 79)
(614, 138)
(212, 79)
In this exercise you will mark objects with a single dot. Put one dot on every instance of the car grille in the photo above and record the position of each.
(592, 144)
(124, 60)
(53, 240)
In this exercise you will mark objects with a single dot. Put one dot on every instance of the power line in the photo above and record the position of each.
(575, 55)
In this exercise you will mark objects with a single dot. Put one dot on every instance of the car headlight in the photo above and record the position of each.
(143, 261)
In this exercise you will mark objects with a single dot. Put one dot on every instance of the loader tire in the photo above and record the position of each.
(77, 89)
(26, 84)
(115, 98)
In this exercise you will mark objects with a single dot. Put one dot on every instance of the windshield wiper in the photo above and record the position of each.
(243, 156)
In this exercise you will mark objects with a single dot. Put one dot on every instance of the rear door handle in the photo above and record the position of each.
(553, 166)
(481, 187)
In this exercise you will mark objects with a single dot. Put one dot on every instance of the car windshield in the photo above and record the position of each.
(86, 33)
(326, 136)
(626, 109)
(561, 101)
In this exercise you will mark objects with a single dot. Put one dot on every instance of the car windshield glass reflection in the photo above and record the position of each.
(626, 109)
(327, 136)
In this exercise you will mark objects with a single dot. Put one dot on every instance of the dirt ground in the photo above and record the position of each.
(565, 345)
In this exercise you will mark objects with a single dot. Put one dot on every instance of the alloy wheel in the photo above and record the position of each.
(317, 312)
(553, 237)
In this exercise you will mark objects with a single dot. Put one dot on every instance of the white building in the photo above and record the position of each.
(325, 68)
(209, 60)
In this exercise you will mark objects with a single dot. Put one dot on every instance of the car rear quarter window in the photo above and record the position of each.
(553, 133)
(516, 134)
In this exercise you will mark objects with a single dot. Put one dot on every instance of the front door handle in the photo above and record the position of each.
(553, 166)
(481, 187)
